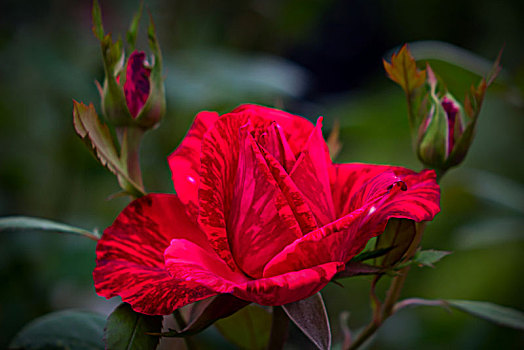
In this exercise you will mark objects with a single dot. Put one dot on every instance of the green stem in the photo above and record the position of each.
(279, 329)
(364, 335)
(130, 138)
(392, 295)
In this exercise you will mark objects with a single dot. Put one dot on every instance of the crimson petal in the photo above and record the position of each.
(261, 222)
(184, 162)
(187, 261)
(295, 129)
(408, 195)
(311, 175)
(130, 261)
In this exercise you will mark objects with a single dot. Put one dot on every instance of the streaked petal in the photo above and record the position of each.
(409, 195)
(190, 262)
(187, 261)
(276, 144)
(130, 261)
(288, 287)
(261, 222)
(184, 162)
(296, 129)
(311, 175)
(219, 162)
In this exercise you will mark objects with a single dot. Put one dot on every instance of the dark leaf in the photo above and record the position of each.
(71, 330)
(248, 328)
(24, 223)
(204, 313)
(501, 315)
(127, 329)
(311, 317)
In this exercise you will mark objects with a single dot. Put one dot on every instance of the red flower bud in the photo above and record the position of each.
(137, 86)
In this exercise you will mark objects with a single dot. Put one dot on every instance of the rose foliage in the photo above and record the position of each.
(261, 212)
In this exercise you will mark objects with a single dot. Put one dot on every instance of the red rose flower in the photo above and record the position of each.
(261, 213)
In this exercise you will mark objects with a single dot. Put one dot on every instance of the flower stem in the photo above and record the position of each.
(279, 329)
(364, 335)
(392, 295)
(130, 138)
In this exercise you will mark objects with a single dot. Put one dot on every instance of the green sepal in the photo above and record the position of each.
(98, 28)
(432, 147)
(133, 29)
(310, 316)
(206, 312)
(398, 236)
(155, 106)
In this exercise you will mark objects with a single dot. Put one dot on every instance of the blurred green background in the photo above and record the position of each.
(309, 57)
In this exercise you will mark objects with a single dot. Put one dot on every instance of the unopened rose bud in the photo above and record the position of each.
(136, 87)
(442, 128)
(446, 131)
(133, 91)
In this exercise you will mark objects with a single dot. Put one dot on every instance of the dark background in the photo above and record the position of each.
(310, 57)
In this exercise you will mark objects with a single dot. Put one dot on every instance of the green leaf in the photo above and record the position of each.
(398, 237)
(403, 70)
(204, 313)
(500, 315)
(127, 329)
(97, 136)
(71, 330)
(311, 317)
(248, 328)
(24, 223)
(429, 257)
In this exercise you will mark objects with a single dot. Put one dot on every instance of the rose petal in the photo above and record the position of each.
(296, 129)
(276, 144)
(219, 159)
(130, 261)
(137, 86)
(261, 222)
(311, 175)
(381, 198)
(288, 287)
(190, 262)
(187, 261)
(349, 179)
(296, 201)
(184, 162)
